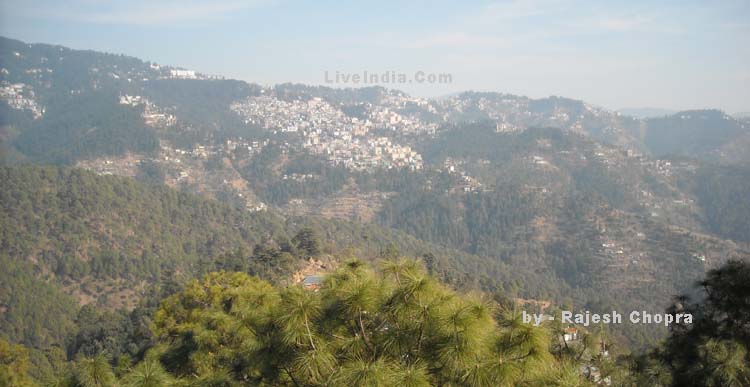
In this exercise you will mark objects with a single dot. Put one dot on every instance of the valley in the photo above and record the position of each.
(543, 199)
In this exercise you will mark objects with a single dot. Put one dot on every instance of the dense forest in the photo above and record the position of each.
(70, 236)
(69, 231)
(88, 125)
(722, 192)
(64, 227)
(691, 132)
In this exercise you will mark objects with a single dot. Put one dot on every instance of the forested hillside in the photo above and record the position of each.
(550, 199)
(723, 192)
(69, 236)
(98, 237)
(705, 134)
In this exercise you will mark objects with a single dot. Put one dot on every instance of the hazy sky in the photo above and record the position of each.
(676, 55)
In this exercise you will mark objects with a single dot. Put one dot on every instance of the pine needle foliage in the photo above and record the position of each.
(364, 327)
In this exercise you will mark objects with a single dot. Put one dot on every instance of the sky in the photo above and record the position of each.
(616, 54)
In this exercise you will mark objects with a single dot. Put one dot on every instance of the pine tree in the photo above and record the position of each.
(394, 326)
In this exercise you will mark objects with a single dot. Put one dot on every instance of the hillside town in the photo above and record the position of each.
(20, 97)
(152, 115)
(320, 128)
(343, 140)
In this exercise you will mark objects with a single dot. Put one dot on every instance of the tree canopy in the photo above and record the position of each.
(395, 326)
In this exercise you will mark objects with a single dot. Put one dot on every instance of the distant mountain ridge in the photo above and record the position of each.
(704, 134)
(54, 79)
